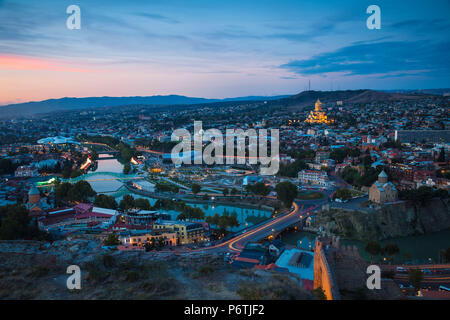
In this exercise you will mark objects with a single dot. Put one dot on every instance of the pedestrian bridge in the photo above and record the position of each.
(100, 176)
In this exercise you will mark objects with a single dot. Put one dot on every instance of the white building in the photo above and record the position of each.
(314, 177)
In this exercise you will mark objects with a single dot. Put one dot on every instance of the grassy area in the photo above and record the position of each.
(356, 193)
(309, 195)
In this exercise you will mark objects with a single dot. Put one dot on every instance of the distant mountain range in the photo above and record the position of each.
(299, 100)
(52, 105)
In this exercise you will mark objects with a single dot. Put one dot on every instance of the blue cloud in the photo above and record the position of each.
(158, 17)
(378, 58)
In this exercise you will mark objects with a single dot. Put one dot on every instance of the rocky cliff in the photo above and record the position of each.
(395, 220)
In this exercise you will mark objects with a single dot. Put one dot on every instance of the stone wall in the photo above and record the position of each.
(323, 273)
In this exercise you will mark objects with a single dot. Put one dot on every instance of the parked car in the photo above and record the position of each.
(401, 270)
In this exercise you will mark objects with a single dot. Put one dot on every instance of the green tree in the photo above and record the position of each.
(142, 204)
(447, 255)
(343, 194)
(259, 188)
(373, 248)
(126, 168)
(16, 224)
(441, 157)
(111, 240)
(105, 201)
(415, 277)
(319, 293)
(292, 169)
(80, 192)
(195, 188)
(7, 166)
(225, 191)
(127, 202)
(391, 249)
(286, 192)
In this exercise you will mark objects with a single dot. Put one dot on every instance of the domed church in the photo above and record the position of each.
(382, 190)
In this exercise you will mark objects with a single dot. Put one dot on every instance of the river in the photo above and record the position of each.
(414, 249)
(245, 216)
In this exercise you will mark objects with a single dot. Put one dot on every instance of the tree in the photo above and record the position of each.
(142, 204)
(80, 192)
(415, 276)
(441, 157)
(126, 168)
(225, 191)
(127, 202)
(111, 240)
(292, 169)
(15, 224)
(104, 201)
(319, 293)
(7, 166)
(150, 245)
(259, 188)
(161, 242)
(391, 249)
(195, 188)
(343, 194)
(373, 248)
(447, 255)
(367, 161)
(286, 192)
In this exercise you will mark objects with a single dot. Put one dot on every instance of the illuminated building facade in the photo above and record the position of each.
(318, 115)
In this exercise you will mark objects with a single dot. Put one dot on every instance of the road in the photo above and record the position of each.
(436, 274)
(300, 210)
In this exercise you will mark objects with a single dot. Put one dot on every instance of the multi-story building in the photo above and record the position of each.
(26, 171)
(140, 237)
(314, 177)
(143, 217)
(187, 232)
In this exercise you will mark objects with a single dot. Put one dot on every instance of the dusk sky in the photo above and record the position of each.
(218, 49)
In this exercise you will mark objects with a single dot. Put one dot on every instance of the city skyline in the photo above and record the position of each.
(218, 50)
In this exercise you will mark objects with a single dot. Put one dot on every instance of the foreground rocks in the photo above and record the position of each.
(37, 270)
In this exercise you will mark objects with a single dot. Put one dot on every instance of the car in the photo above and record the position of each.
(426, 271)
(401, 269)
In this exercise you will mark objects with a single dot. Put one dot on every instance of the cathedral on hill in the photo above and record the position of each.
(318, 115)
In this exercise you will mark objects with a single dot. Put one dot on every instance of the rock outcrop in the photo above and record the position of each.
(390, 221)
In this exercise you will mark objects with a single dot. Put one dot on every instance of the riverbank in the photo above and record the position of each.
(413, 249)
(237, 204)
(394, 220)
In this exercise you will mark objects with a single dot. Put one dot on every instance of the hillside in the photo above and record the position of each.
(307, 98)
(303, 99)
(37, 270)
